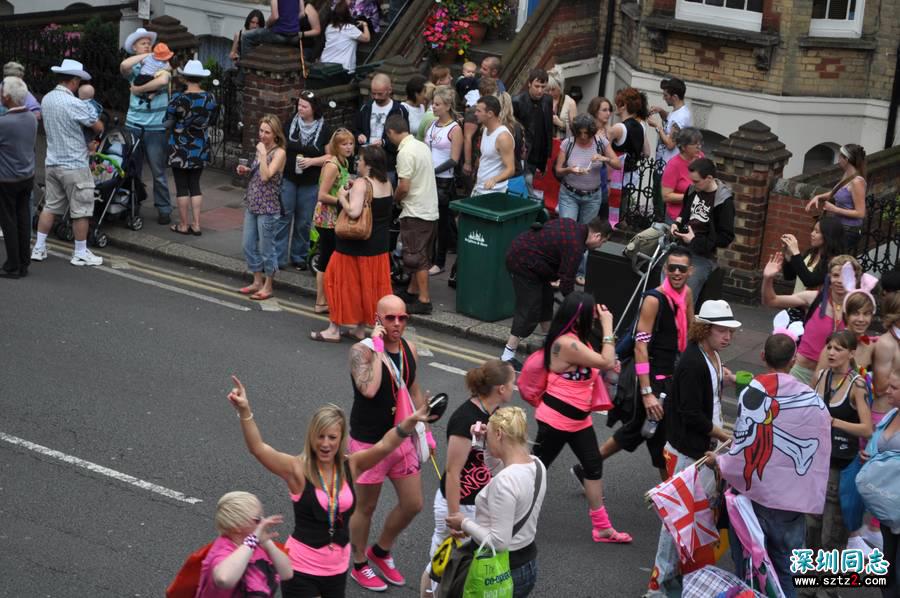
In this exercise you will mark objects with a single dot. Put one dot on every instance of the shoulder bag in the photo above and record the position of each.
(360, 228)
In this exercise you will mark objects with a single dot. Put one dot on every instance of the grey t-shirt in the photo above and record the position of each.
(18, 129)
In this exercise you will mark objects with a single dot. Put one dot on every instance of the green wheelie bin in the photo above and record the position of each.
(487, 225)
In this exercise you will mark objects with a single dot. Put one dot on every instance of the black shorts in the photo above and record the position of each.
(534, 304)
(187, 181)
(628, 436)
(304, 585)
(327, 242)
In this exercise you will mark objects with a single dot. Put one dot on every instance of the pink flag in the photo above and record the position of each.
(684, 509)
(782, 445)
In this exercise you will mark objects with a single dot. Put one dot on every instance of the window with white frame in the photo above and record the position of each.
(837, 18)
(737, 14)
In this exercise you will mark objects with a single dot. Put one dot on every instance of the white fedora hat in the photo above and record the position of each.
(138, 34)
(71, 67)
(194, 68)
(717, 312)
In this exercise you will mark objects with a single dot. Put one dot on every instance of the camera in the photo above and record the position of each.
(437, 405)
(683, 228)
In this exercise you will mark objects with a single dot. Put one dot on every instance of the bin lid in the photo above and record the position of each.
(495, 207)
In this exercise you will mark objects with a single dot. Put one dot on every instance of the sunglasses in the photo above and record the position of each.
(401, 318)
(677, 268)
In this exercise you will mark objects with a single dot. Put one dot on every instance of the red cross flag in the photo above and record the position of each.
(684, 509)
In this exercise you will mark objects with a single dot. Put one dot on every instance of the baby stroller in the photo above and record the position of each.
(116, 191)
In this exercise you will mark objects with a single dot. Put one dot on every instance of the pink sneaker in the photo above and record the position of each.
(387, 568)
(367, 578)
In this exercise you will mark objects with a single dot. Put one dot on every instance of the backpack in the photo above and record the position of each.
(571, 141)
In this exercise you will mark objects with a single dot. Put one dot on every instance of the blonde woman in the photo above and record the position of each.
(320, 482)
(516, 183)
(263, 201)
(243, 559)
(507, 509)
(444, 138)
(564, 108)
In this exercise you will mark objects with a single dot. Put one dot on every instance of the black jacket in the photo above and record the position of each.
(362, 125)
(795, 268)
(531, 119)
(689, 405)
(721, 221)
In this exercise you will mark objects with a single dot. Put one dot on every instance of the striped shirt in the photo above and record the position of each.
(64, 117)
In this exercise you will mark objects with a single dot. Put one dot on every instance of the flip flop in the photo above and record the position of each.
(194, 231)
(615, 538)
(318, 309)
(260, 296)
(174, 228)
(317, 336)
(349, 335)
(248, 291)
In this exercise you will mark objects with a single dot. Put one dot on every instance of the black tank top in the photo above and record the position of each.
(634, 143)
(663, 348)
(380, 240)
(844, 446)
(370, 419)
(311, 520)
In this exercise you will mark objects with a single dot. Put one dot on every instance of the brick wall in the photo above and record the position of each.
(828, 72)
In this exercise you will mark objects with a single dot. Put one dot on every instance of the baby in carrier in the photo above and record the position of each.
(154, 66)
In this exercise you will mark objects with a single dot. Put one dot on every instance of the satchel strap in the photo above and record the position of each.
(538, 478)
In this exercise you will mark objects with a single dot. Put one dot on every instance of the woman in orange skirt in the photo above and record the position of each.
(359, 272)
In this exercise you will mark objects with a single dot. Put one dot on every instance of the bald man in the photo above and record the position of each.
(383, 369)
(368, 124)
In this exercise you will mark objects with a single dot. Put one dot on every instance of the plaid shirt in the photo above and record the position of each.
(550, 253)
(64, 117)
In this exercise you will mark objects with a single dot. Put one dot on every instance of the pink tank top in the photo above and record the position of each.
(815, 332)
(574, 393)
(328, 560)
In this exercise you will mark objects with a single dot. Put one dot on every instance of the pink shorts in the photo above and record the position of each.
(401, 463)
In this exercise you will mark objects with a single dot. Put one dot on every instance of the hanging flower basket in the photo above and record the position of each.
(477, 31)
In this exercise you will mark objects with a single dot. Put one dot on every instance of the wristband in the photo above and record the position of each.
(401, 432)
(429, 438)
(378, 344)
(646, 390)
(643, 337)
(251, 541)
(609, 340)
(642, 368)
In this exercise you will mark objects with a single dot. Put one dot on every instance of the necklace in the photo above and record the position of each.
(333, 500)
(395, 384)
(483, 408)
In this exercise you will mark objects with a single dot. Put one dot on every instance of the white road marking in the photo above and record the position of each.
(93, 467)
(447, 368)
(162, 285)
(270, 305)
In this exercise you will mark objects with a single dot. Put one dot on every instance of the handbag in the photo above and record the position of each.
(532, 380)
(360, 228)
(405, 408)
(454, 583)
(878, 483)
(600, 400)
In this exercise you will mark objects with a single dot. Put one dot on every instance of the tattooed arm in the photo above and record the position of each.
(365, 368)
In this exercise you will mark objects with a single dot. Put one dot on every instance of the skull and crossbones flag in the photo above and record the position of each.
(782, 445)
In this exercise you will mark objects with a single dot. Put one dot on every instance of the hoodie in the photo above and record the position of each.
(713, 226)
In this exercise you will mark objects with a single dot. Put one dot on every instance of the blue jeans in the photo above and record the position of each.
(299, 203)
(581, 208)
(524, 579)
(254, 37)
(155, 147)
(259, 242)
(783, 531)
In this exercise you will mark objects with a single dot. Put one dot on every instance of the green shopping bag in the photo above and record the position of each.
(489, 575)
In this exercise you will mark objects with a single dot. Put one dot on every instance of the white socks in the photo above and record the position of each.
(80, 247)
(507, 353)
(41, 241)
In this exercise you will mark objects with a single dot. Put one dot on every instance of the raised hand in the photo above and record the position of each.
(238, 395)
(262, 530)
(773, 266)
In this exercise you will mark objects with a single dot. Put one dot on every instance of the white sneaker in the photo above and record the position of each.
(39, 254)
(86, 259)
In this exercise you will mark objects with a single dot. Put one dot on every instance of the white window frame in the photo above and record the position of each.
(839, 28)
(735, 18)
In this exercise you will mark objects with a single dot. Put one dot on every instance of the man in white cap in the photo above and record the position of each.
(693, 418)
(145, 120)
(69, 185)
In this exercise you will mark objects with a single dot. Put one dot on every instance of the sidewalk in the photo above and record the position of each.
(219, 248)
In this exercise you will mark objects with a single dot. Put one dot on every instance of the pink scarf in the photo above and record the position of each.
(678, 303)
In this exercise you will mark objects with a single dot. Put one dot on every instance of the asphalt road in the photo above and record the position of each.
(127, 367)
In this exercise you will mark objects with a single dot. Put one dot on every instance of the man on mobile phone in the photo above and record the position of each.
(383, 369)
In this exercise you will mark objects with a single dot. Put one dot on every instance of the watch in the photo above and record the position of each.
(646, 390)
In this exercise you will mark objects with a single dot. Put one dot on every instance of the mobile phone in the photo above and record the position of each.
(682, 228)
(437, 405)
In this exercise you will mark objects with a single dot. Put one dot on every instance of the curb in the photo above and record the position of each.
(304, 285)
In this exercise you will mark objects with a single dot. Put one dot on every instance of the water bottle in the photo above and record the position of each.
(650, 425)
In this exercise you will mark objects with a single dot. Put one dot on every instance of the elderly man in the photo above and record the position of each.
(18, 129)
(417, 194)
(145, 120)
(69, 185)
(14, 69)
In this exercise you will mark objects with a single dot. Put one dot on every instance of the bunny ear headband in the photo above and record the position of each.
(783, 325)
(866, 284)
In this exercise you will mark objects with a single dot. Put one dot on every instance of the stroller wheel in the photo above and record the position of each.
(100, 239)
(60, 230)
(68, 233)
(136, 223)
(314, 262)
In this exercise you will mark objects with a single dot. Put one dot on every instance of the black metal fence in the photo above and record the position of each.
(229, 125)
(879, 246)
(94, 44)
(641, 203)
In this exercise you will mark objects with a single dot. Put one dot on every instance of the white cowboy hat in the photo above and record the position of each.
(71, 67)
(140, 32)
(717, 312)
(194, 68)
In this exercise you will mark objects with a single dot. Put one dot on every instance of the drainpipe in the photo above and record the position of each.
(895, 103)
(607, 46)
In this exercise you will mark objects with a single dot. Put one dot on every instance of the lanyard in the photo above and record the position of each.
(333, 499)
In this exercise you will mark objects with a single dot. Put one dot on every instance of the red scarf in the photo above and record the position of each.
(678, 303)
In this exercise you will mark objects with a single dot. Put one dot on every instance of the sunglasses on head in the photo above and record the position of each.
(395, 318)
(677, 268)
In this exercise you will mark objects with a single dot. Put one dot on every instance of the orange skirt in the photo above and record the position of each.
(353, 286)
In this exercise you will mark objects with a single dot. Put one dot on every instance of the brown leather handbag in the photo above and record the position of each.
(356, 229)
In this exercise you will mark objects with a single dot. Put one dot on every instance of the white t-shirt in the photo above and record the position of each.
(717, 376)
(683, 118)
(378, 118)
(416, 114)
(340, 46)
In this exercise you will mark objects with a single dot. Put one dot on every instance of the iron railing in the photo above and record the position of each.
(229, 125)
(641, 203)
(879, 246)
